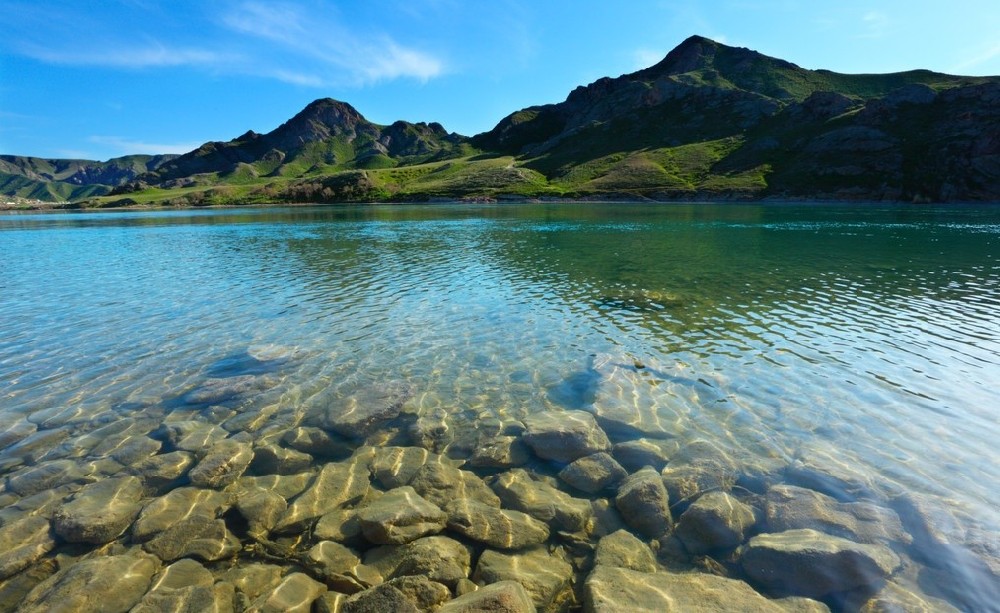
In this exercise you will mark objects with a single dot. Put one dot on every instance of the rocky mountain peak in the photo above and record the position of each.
(319, 120)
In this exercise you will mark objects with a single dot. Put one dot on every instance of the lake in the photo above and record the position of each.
(849, 352)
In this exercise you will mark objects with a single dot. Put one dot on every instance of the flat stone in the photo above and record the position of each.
(340, 525)
(636, 454)
(400, 516)
(190, 435)
(518, 491)
(22, 543)
(499, 528)
(286, 486)
(43, 504)
(499, 597)
(500, 452)
(228, 390)
(370, 407)
(318, 443)
(378, 599)
(545, 577)
(715, 521)
(254, 579)
(423, 593)
(32, 448)
(336, 565)
(437, 558)
(261, 508)
(336, 485)
(16, 431)
(643, 503)
(47, 476)
(396, 466)
(270, 459)
(186, 586)
(100, 512)
(178, 505)
(442, 484)
(686, 482)
(163, 470)
(222, 465)
(564, 436)
(622, 549)
(593, 473)
(609, 589)
(129, 450)
(813, 564)
(197, 537)
(295, 594)
(790, 508)
(105, 584)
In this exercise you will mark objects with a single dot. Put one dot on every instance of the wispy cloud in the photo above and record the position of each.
(874, 24)
(335, 53)
(130, 146)
(977, 58)
(129, 55)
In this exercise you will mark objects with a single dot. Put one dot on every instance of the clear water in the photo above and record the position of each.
(865, 334)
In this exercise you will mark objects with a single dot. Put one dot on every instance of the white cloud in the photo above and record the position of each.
(128, 146)
(327, 47)
(143, 55)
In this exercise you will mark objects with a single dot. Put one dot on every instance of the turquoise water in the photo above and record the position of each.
(865, 336)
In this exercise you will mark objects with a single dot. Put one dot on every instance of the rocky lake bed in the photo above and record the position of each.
(208, 503)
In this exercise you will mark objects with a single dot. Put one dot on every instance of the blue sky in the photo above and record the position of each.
(111, 77)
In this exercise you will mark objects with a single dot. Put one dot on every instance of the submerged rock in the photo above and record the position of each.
(337, 484)
(790, 507)
(100, 512)
(499, 528)
(178, 505)
(186, 587)
(164, 470)
(369, 408)
(546, 578)
(252, 580)
(500, 452)
(380, 598)
(564, 437)
(636, 454)
(437, 558)
(812, 564)
(396, 466)
(22, 543)
(715, 521)
(318, 443)
(261, 508)
(609, 589)
(340, 525)
(400, 516)
(270, 459)
(222, 465)
(623, 550)
(295, 594)
(227, 390)
(643, 503)
(593, 473)
(105, 584)
(190, 435)
(47, 476)
(500, 597)
(197, 537)
(443, 484)
(518, 491)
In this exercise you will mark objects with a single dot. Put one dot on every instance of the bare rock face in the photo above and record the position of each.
(100, 512)
(400, 516)
(643, 503)
(545, 577)
(106, 584)
(498, 528)
(564, 437)
(501, 597)
(715, 521)
(22, 543)
(812, 564)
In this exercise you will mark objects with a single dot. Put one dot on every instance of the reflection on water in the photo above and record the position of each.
(859, 337)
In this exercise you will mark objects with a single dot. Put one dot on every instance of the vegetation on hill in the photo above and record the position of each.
(707, 122)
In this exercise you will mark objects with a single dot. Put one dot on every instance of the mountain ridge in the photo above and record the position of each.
(707, 121)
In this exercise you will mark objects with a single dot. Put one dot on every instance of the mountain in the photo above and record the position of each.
(46, 179)
(709, 121)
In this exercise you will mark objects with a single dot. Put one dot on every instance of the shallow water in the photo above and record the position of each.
(868, 336)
